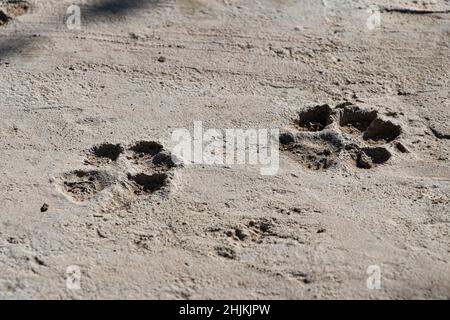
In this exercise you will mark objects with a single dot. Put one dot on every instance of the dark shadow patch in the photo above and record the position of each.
(378, 155)
(15, 8)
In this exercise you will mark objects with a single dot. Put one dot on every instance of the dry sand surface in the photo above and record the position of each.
(359, 93)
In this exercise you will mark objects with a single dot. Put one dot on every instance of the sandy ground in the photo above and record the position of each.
(136, 70)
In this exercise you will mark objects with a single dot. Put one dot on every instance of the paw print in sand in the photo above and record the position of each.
(141, 169)
(327, 136)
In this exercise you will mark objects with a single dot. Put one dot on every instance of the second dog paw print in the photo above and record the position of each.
(328, 136)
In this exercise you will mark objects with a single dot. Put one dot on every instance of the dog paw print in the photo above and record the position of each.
(143, 168)
(328, 136)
